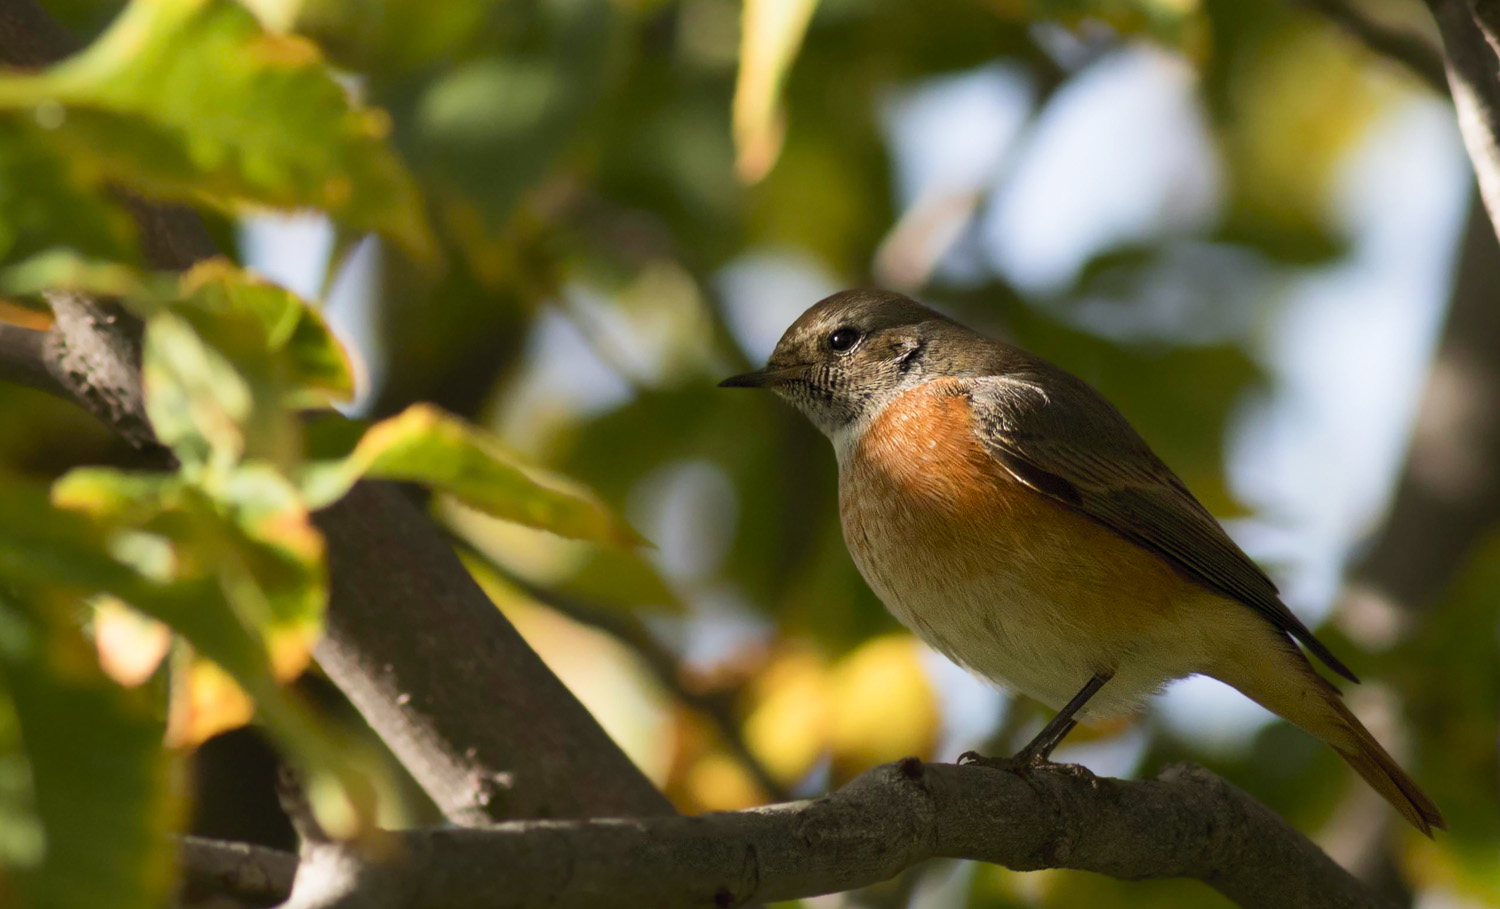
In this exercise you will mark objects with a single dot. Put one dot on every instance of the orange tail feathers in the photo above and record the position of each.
(1279, 678)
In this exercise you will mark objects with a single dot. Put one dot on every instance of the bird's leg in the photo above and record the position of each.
(1038, 751)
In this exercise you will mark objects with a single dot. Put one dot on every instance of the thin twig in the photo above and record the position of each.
(1404, 47)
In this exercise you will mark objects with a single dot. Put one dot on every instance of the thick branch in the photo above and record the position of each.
(420, 650)
(1186, 823)
(451, 687)
(24, 359)
(253, 875)
(717, 707)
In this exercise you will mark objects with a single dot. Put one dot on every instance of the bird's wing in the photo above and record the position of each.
(1088, 457)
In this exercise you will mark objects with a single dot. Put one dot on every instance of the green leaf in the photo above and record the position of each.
(304, 358)
(426, 445)
(191, 100)
(387, 35)
(100, 795)
(47, 200)
(45, 545)
(62, 268)
(197, 401)
(227, 355)
(240, 577)
(278, 336)
(255, 534)
(271, 533)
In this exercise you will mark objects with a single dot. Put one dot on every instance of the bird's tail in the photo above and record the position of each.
(1382, 772)
(1280, 678)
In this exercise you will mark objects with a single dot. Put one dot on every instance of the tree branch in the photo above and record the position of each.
(250, 874)
(715, 706)
(24, 359)
(1186, 823)
(1406, 49)
(451, 687)
(1472, 78)
(413, 641)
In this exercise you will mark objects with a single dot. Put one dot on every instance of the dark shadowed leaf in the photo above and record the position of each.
(86, 794)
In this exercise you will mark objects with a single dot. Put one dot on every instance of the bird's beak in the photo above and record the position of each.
(762, 378)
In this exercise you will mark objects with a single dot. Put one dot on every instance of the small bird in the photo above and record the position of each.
(1008, 514)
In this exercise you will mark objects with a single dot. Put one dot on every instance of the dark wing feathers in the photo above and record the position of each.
(1090, 458)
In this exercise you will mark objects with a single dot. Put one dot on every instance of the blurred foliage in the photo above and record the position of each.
(563, 190)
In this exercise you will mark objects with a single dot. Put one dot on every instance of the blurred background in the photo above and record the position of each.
(1253, 234)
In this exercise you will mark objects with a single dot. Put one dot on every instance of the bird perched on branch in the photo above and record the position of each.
(1007, 513)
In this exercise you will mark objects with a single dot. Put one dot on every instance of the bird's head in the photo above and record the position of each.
(852, 353)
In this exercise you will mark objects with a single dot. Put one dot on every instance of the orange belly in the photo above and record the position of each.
(1007, 582)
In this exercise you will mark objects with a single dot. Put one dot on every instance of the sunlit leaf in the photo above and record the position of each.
(206, 701)
(770, 34)
(227, 357)
(192, 100)
(101, 793)
(787, 728)
(882, 706)
(62, 268)
(46, 545)
(302, 353)
(425, 445)
(197, 401)
(241, 579)
(131, 646)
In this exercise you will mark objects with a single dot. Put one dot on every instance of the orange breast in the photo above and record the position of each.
(927, 511)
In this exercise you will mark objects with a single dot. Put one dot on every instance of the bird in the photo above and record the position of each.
(1004, 511)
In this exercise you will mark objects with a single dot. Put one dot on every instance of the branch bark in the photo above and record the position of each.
(451, 687)
(25, 360)
(411, 638)
(717, 707)
(253, 875)
(1474, 81)
(1186, 823)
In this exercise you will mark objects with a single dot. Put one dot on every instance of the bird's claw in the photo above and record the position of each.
(1024, 764)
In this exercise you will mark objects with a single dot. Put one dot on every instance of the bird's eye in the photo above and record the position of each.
(841, 339)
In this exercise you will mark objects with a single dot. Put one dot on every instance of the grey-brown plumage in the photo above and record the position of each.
(1008, 514)
(1090, 458)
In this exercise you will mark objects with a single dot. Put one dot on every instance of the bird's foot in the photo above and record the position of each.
(1025, 764)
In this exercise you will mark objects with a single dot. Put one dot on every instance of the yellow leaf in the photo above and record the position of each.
(717, 782)
(770, 35)
(881, 705)
(788, 728)
(206, 701)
